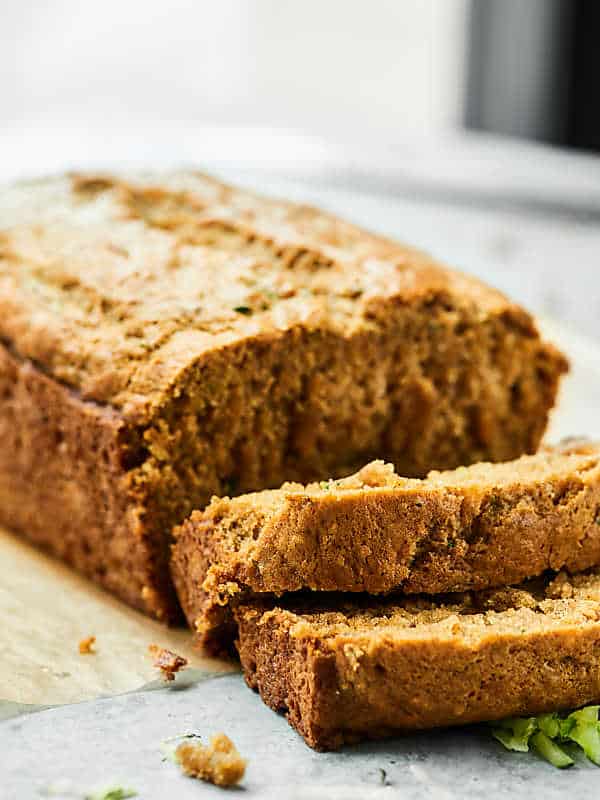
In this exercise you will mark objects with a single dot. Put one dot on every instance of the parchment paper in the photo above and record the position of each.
(46, 609)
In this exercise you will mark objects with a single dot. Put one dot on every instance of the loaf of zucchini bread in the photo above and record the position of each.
(167, 338)
(344, 671)
(376, 532)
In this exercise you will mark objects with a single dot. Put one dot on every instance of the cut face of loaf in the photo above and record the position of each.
(164, 338)
(469, 528)
(344, 672)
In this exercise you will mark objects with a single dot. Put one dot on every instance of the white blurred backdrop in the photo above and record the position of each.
(355, 104)
(330, 67)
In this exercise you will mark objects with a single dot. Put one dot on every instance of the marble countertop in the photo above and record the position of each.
(69, 751)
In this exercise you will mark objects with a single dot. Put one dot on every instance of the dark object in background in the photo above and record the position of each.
(583, 108)
(532, 70)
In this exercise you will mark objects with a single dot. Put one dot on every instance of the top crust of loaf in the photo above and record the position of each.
(115, 286)
(377, 532)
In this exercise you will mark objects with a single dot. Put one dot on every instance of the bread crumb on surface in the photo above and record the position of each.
(168, 662)
(219, 763)
(86, 646)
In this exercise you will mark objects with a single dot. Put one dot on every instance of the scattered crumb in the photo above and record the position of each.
(166, 661)
(86, 646)
(220, 763)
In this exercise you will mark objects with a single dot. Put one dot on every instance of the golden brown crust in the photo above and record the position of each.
(133, 280)
(66, 484)
(469, 528)
(352, 672)
(206, 341)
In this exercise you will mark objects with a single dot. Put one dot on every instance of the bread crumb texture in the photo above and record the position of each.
(218, 763)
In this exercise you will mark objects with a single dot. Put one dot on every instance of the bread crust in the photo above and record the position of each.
(66, 484)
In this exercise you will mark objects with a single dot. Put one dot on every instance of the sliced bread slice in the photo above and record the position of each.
(470, 528)
(343, 672)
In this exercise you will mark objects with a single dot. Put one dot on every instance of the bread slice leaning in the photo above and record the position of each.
(343, 672)
(470, 528)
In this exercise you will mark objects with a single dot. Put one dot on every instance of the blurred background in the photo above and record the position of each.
(468, 127)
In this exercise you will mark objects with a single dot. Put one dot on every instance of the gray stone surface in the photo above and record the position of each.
(118, 740)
